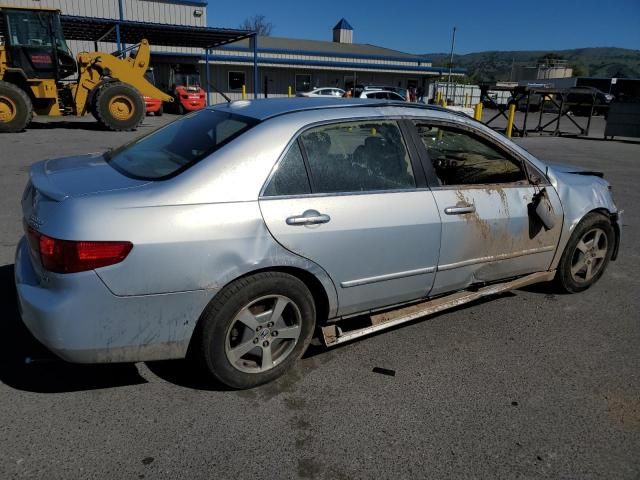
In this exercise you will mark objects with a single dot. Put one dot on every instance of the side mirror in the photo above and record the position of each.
(543, 209)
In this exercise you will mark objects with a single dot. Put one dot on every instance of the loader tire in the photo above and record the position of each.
(16, 109)
(119, 107)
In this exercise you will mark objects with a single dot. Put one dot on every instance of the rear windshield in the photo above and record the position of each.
(174, 148)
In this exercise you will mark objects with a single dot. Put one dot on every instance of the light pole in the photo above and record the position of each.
(453, 42)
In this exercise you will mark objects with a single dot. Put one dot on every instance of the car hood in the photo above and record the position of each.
(564, 168)
(80, 175)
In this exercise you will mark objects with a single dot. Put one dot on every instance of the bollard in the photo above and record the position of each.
(244, 92)
(477, 113)
(466, 99)
(289, 92)
(512, 116)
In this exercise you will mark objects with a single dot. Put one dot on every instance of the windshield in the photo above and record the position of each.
(35, 29)
(174, 148)
(187, 79)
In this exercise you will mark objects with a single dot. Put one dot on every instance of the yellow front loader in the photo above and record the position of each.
(37, 69)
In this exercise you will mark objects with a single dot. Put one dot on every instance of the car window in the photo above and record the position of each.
(290, 175)
(459, 158)
(177, 146)
(357, 157)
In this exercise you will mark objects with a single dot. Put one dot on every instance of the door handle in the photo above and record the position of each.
(460, 209)
(310, 217)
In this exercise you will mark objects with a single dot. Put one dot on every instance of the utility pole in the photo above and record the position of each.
(453, 41)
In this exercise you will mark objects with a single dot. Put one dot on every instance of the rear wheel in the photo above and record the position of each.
(256, 329)
(119, 107)
(587, 253)
(160, 111)
(16, 110)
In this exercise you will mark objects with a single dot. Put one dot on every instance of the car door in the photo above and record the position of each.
(345, 196)
(486, 197)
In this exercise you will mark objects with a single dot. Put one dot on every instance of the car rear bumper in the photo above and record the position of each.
(81, 321)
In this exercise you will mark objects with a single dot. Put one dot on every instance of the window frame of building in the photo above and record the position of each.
(310, 86)
(244, 80)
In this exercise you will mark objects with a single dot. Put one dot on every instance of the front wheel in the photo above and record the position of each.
(587, 253)
(119, 107)
(255, 329)
(16, 109)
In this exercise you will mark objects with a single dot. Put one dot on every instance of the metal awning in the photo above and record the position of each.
(130, 32)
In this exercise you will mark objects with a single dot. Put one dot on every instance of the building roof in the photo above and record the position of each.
(104, 30)
(343, 25)
(319, 47)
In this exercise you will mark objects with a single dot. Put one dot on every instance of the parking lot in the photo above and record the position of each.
(530, 384)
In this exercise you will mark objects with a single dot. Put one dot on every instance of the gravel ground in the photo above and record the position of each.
(530, 384)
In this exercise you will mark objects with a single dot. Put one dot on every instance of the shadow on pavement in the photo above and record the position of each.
(80, 125)
(185, 373)
(47, 374)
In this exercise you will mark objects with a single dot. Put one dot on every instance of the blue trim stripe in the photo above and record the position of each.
(286, 61)
(317, 63)
(321, 53)
(195, 3)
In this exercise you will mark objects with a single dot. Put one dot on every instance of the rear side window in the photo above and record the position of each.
(290, 176)
(174, 148)
(358, 156)
(459, 158)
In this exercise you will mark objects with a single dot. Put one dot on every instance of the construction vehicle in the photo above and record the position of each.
(185, 89)
(35, 63)
(153, 105)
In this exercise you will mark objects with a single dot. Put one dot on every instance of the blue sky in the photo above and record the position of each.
(425, 27)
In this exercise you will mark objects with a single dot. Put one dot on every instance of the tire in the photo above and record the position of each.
(234, 338)
(587, 254)
(119, 107)
(16, 109)
(160, 111)
(181, 109)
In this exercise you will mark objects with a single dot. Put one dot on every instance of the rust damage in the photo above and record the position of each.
(333, 335)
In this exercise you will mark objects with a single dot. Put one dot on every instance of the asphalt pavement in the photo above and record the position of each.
(530, 384)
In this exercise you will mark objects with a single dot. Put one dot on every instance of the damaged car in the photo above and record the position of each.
(237, 233)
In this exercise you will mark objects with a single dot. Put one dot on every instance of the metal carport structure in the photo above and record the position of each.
(122, 32)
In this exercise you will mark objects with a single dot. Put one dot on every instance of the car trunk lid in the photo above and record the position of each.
(77, 176)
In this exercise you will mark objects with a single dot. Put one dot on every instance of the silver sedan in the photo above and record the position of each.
(236, 233)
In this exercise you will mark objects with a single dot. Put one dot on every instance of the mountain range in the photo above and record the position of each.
(587, 62)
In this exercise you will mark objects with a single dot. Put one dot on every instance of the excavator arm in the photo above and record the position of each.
(94, 66)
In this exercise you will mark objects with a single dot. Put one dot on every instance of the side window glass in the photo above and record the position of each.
(290, 176)
(459, 158)
(357, 157)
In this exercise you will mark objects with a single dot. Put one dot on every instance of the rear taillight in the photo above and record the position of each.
(68, 256)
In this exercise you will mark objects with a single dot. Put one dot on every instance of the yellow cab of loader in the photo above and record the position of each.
(38, 74)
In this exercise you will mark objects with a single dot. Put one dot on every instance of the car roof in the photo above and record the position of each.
(262, 109)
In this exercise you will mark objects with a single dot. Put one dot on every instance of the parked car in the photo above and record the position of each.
(323, 92)
(360, 89)
(382, 95)
(233, 233)
(580, 99)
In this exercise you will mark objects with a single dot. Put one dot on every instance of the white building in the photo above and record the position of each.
(281, 62)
